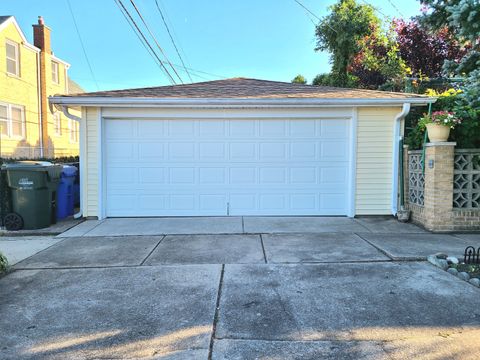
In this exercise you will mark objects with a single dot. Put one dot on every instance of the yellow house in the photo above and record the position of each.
(29, 74)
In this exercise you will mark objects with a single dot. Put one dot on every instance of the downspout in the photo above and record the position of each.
(396, 151)
(64, 110)
(39, 98)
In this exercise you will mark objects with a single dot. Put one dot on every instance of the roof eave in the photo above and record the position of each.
(291, 102)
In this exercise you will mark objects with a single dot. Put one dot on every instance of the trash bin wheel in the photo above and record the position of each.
(13, 222)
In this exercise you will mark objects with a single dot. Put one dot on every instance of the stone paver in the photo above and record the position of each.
(94, 251)
(301, 224)
(150, 312)
(296, 350)
(361, 302)
(18, 248)
(417, 246)
(325, 247)
(162, 226)
(388, 225)
(208, 249)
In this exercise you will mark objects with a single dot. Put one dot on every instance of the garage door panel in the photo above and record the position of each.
(220, 167)
(212, 151)
(151, 129)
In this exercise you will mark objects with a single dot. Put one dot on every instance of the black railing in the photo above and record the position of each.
(471, 256)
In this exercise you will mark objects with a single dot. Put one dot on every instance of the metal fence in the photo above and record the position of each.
(416, 178)
(466, 179)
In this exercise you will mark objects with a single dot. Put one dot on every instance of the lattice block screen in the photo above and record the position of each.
(466, 181)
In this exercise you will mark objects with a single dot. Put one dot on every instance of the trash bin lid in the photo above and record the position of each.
(30, 165)
(69, 170)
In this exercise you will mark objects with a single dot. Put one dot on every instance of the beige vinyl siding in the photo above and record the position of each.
(92, 173)
(374, 160)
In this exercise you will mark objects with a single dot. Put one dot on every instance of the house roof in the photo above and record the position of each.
(4, 18)
(240, 91)
(243, 88)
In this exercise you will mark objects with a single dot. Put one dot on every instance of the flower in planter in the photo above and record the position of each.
(446, 118)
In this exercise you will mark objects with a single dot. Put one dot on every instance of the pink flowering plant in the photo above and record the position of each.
(446, 118)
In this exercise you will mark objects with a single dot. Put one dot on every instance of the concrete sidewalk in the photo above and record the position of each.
(238, 225)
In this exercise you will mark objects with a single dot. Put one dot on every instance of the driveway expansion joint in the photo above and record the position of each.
(263, 249)
(378, 248)
(154, 248)
(216, 315)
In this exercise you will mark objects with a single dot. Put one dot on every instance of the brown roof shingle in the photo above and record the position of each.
(243, 88)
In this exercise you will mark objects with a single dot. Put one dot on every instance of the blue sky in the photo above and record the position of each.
(267, 39)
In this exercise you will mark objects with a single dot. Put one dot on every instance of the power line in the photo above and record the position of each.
(155, 40)
(396, 8)
(119, 3)
(152, 54)
(173, 41)
(375, 8)
(315, 16)
(81, 43)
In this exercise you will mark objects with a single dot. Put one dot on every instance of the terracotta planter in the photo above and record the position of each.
(438, 133)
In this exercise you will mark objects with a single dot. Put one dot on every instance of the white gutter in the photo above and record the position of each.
(396, 149)
(64, 110)
(240, 102)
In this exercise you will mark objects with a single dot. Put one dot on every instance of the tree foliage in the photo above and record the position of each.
(340, 33)
(299, 79)
(462, 17)
(425, 50)
(378, 63)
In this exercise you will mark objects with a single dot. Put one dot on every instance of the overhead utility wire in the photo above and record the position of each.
(315, 16)
(396, 8)
(82, 45)
(375, 8)
(155, 40)
(172, 80)
(140, 39)
(173, 41)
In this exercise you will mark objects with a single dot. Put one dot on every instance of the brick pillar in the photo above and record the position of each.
(438, 204)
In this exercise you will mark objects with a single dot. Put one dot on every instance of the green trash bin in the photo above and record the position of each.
(33, 187)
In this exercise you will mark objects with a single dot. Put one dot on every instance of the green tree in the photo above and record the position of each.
(299, 79)
(340, 33)
(462, 18)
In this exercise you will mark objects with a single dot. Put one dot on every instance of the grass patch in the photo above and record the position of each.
(472, 269)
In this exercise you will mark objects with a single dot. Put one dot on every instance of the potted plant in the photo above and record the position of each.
(438, 124)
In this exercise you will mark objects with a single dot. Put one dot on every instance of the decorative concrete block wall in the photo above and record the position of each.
(443, 193)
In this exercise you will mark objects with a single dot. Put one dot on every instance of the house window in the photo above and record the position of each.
(57, 124)
(73, 127)
(55, 77)
(13, 58)
(12, 120)
(3, 120)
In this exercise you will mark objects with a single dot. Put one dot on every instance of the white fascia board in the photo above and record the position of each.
(25, 42)
(198, 102)
(54, 58)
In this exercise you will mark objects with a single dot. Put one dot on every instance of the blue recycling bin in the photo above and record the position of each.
(65, 192)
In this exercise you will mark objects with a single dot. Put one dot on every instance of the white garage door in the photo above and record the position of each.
(226, 167)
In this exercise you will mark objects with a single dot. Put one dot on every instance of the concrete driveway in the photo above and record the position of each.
(262, 290)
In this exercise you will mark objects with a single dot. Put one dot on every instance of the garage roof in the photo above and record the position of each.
(240, 90)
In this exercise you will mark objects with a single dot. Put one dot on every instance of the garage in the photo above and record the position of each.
(239, 147)
(227, 167)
